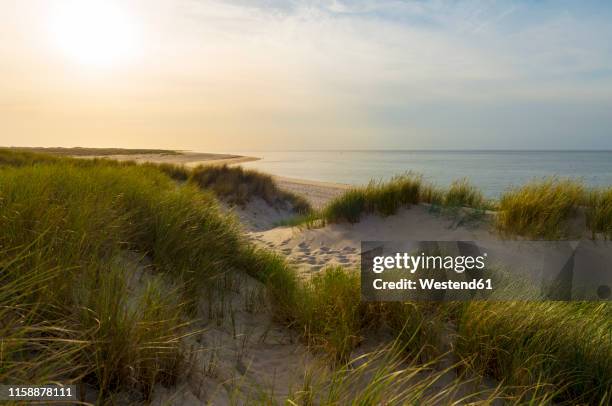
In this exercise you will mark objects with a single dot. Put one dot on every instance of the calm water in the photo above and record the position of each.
(491, 171)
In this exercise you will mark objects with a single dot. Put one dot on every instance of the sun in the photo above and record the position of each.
(95, 33)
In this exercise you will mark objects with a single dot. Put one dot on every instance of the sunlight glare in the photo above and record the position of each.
(94, 32)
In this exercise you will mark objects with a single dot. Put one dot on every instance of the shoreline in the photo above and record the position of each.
(186, 158)
(317, 192)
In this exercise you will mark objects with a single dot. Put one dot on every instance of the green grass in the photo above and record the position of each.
(331, 313)
(548, 349)
(567, 345)
(599, 212)
(67, 230)
(377, 197)
(386, 198)
(463, 194)
(72, 233)
(10, 157)
(540, 209)
(388, 376)
(178, 173)
(238, 186)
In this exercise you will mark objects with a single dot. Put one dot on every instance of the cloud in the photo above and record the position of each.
(299, 73)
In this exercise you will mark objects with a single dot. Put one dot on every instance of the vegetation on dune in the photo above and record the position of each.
(540, 209)
(75, 234)
(238, 186)
(463, 194)
(19, 158)
(599, 212)
(68, 312)
(391, 377)
(377, 197)
(565, 345)
(548, 350)
(386, 198)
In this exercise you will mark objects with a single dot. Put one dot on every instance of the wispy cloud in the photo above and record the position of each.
(410, 72)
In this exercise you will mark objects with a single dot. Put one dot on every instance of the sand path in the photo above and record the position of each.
(339, 244)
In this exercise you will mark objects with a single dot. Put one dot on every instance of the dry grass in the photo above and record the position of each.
(386, 198)
(67, 312)
(540, 209)
(238, 186)
(599, 212)
(565, 345)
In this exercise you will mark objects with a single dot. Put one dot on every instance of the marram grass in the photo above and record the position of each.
(540, 209)
(386, 198)
(69, 232)
(599, 212)
(238, 186)
(566, 345)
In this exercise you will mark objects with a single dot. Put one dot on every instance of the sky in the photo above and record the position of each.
(245, 75)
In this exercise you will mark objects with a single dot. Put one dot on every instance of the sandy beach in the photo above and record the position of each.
(187, 158)
(317, 193)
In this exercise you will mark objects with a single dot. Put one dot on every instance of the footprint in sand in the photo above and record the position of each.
(343, 260)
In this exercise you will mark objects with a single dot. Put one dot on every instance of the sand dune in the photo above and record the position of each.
(339, 244)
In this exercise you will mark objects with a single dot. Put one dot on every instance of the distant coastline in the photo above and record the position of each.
(491, 171)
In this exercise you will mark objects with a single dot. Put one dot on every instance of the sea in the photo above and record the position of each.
(491, 171)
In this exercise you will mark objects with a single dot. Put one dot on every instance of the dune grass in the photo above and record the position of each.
(546, 350)
(386, 198)
(69, 233)
(377, 197)
(599, 212)
(462, 193)
(238, 186)
(540, 209)
(389, 376)
(567, 345)
(10, 158)
(68, 310)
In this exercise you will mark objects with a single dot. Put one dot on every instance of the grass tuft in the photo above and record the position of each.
(238, 186)
(386, 198)
(540, 209)
(567, 345)
(463, 194)
(599, 212)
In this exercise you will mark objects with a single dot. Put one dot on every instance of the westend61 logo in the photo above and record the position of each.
(488, 270)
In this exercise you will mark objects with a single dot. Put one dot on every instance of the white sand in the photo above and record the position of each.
(339, 244)
(240, 351)
(317, 193)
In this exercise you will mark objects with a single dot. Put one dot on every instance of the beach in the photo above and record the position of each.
(187, 158)
(317, 192)
(273, 267)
